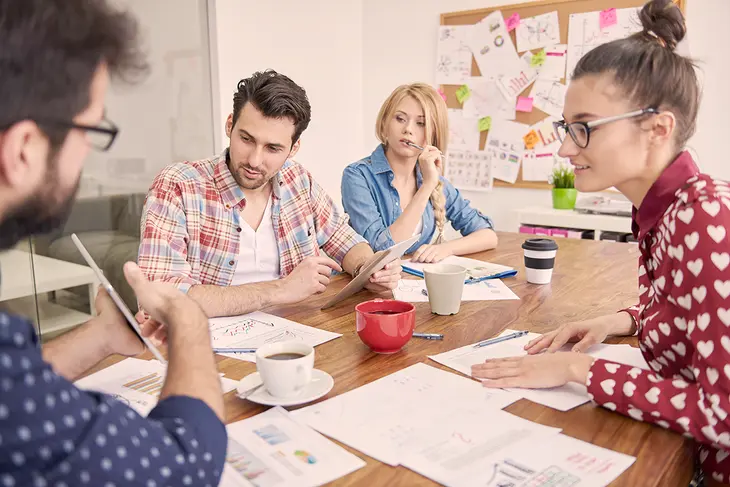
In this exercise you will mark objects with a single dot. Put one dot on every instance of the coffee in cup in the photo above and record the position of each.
(539, 259)
(285, 367)
(445, 286)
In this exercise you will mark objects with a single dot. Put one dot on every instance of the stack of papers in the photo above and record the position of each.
(272, 448)
(257, 329)
(561, 398)
(137, 383)
(414, 291)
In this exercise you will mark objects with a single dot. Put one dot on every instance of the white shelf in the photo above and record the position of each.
(55, 319)
(550, 217)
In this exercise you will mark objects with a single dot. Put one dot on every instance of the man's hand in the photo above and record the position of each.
(311, 276)
(118, 335)
(385, 279)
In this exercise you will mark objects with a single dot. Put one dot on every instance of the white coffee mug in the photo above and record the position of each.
(282, 375)
(445, 285)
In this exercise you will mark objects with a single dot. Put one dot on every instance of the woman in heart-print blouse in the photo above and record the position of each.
(630, 108)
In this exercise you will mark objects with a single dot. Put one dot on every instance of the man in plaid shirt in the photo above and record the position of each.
(246, 229)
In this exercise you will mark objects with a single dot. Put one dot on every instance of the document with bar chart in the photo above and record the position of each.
(137, 383)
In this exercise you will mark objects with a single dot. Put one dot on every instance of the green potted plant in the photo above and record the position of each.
(564, 193)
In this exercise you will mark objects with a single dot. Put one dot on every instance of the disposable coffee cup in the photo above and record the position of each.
(445, 285)
(539, 259)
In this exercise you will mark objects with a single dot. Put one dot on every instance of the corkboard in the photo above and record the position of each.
(564, 9)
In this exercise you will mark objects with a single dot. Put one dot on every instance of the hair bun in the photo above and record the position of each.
(664, 20)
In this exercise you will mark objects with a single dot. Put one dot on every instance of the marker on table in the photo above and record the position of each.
(501, 339)
(429, 336)
(234, 350)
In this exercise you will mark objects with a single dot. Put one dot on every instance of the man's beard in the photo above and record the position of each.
(41, 213)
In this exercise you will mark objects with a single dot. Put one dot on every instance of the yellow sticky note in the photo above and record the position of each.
(463, 93)
(485, 123)
(538, 59)
(531, 139)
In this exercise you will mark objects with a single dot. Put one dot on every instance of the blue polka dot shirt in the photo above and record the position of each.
(54, 434)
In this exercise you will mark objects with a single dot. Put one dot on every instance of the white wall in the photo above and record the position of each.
(399, 46)
(318, 44)
(168, 117)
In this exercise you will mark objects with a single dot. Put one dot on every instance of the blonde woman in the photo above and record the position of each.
(398, 190)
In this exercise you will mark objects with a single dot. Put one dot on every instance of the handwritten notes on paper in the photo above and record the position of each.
(554, 66)
(453, 57)
(607, 18)
(485, 123)
(549, 96)
(531, 140)
(512, 22)
(463, 93)
(470, 170)
(463, 130)
(505, 147)
(539, 31)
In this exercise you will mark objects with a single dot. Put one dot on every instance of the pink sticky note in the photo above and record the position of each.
(607, 18)
(443, 95)
(524, 104)
(513, 22)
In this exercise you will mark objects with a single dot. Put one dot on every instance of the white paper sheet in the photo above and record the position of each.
(470, 170)
(539, 31)
(541, 460)
(453, 58)
(486, 100)
(274, 449)
(515, 81)
(388, 417)
(505, 147)
(537, 164)
(561, 398)
(135, 382)
(549, 96)
(553, 68)
(492, 46)
(584, 32)
(257, 329)
(474, 268)
(414, 291)
(463, 131)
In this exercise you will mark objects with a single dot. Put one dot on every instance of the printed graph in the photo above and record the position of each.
(250, 466)
(243, 327)
(149, 384)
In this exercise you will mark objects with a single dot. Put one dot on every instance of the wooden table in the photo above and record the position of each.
(590, 279)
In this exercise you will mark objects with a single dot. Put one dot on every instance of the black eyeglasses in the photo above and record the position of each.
(101, 136)
(580, 132)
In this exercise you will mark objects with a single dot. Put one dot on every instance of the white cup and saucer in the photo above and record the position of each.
(285, 376)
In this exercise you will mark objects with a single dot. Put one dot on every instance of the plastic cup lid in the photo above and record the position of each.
(539, 244)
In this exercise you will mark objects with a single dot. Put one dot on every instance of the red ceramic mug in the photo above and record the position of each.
(385, 325)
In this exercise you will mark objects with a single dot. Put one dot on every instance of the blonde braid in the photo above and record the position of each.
(438, 201)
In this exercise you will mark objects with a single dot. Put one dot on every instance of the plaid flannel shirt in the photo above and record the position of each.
(191, 224)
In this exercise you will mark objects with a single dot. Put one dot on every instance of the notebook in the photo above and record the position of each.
(476, 270)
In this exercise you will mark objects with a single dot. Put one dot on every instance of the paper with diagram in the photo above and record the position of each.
(549, 96)
(274, 449)
(257, 329)
(135, 382)
(561, 398)
(414, 291)
(585, 33)
(486, 100)
(505, 147)
(516, 80)
(463, 130)
(542, 459)
(469, 170)
(389, 417)
(492, 47)
(453, 58)
(538, 164)
(539, 31)
(553, 68)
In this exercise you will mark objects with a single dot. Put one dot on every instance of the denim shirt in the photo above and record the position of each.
(373, 204)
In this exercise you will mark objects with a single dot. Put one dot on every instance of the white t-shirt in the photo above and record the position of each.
(258, 254)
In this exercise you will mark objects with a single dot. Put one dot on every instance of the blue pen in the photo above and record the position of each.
(234, 350)
(501, 339)
(429, 336)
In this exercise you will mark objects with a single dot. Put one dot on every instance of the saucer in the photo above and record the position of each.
(321, 384)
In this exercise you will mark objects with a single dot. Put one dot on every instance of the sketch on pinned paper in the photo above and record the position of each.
(486, 100)
(505, 147)
(537, 164)
(549, 96)
(585, 33)
(519, 79)
(463, 130)
(492, 47)
(470, 170)
(554, 66)
(539, 31)
(453, 58)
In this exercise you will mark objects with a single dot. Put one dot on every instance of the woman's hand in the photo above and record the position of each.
(583, 333)
(431, 163)
(534, 371)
